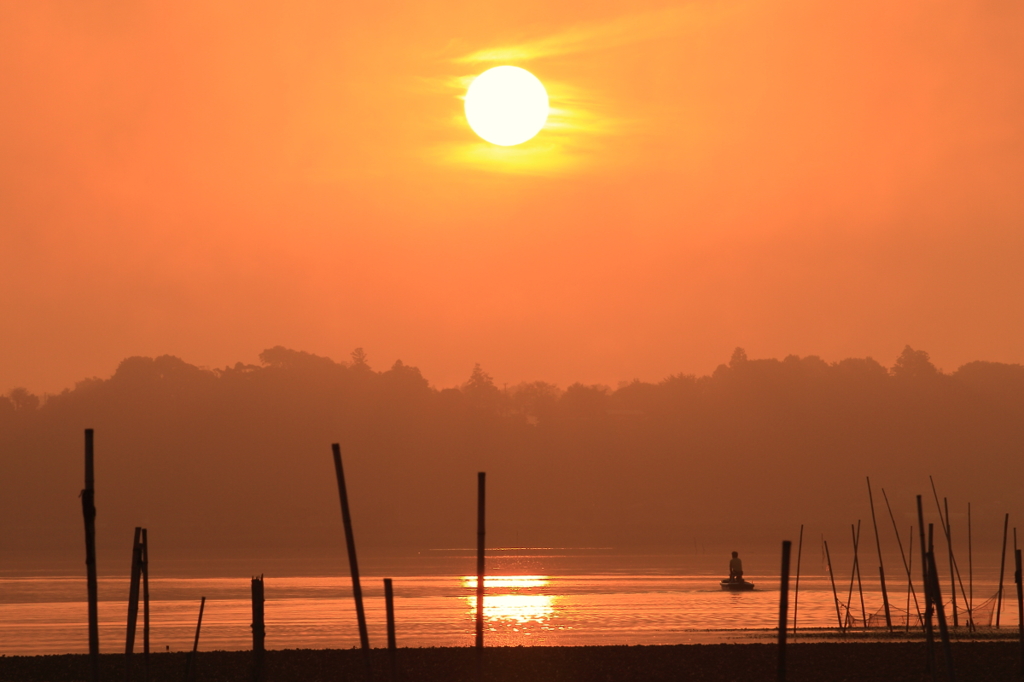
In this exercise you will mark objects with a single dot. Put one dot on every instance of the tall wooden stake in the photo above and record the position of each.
(1002, 569)
(259, 630)
(481, 480)
(835, 595)
(350, 542)
(89, 514)
(133, 603)
(906, 563)
(389, 607)
(970, 569)
(145, 606)
(952, 564)
(1020, 607)
(783, 609)
(929, 635)
(860, 585)
(796, 588)
(933, 575)
(881, 565)
(190, 664)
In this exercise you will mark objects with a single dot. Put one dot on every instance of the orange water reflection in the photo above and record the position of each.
(510, 599)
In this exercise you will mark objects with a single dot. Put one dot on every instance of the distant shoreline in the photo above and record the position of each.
(861, 661)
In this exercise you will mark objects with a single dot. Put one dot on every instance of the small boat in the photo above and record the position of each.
(740, 585)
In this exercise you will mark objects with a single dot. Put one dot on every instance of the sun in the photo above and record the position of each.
(506, 105)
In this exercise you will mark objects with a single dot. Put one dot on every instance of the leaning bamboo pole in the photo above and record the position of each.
(881, 565)
(1002, 569)
(835, 596)
(145, 605)
(933, 575)
(970, 569)
(928, 594)
(796, 588)
(133, 603)
(350, 544)
(906, 564)
(784, 608)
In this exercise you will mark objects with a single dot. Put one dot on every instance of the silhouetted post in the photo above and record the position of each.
(1002, 568)
(933, 574)
(970, 570)
(796, 588)
(145, 606)
(929, 635)
(881, 565)
(481, 488)
(259, 631)
(357, 590)
(906, 563)
(860, 585)
(835, 595)
(783, 609)
(89, 514)
(389, 607)
(133, 603)
(190, 664)
(1020, 607)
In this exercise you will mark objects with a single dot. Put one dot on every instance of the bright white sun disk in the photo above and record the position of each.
(506, 105)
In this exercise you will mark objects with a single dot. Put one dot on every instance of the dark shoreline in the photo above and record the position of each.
(825, 661)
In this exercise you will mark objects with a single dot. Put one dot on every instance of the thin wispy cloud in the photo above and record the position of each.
(618, 32)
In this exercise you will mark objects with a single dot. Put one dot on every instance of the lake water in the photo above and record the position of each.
(560, 606)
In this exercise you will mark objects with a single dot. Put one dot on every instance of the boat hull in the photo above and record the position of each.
(736, 586)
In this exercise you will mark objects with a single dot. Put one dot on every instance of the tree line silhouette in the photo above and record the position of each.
(239, 457)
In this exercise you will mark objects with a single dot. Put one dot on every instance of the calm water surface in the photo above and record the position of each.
(48, 614)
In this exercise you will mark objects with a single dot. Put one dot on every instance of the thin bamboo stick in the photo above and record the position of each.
(933, 574)
(480, 535)
(89, 514)
(906, 564)
(860, 586)
(190, 663)
(881, 565)
(970, 569)
(835, 596)
(783, 609)
(1002, 569)
(133, 603)
(796, 588)
(929, 635)
(1020, 604)
(952, 568)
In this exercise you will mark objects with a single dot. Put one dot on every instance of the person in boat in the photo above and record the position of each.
(736, 568)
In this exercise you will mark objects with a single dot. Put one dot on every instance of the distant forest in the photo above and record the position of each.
(239, 457)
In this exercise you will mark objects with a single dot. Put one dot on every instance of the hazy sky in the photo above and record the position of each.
(209, 180)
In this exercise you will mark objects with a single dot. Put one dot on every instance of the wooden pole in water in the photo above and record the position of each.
(259, 629)
(970, 569)
(481, 479)
(881, 565)
(1020, 607)
(389, 607)
(350, 543)
(133, 603)
(906, 564)
(835, 596)
(145, 605)
(1002, 569)
(952, 565)
(191, 662)
(910, 534)
(89, 514)
(929, 635)
(933, 574)
(860, 585)
(783, 609)
(796, 588)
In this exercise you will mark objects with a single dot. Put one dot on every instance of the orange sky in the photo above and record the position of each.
(209, 180)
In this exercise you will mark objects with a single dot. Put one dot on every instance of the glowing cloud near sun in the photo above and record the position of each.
(506, 105)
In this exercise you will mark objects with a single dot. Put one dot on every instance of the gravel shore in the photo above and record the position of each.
(832, 662)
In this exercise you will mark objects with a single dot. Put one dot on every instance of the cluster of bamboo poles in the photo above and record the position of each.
(930, 579)
(140, 582)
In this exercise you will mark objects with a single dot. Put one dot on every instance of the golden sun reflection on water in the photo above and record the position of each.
(504, 602)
